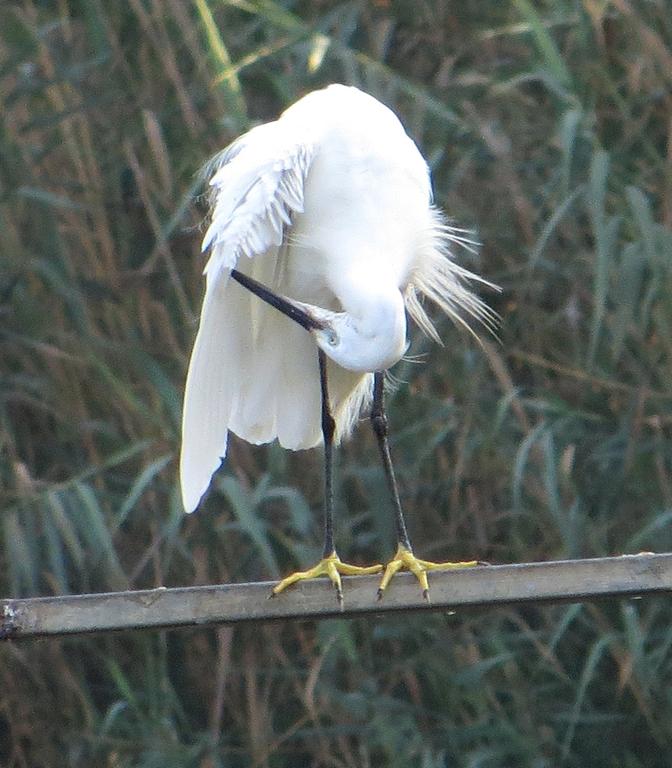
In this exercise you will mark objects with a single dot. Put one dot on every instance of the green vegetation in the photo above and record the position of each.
(548, 128)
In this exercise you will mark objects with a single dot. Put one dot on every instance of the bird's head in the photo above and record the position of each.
(372, 343)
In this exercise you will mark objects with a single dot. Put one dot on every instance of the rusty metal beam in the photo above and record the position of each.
(487, 586)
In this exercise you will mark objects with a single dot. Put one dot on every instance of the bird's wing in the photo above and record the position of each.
(257, 185)
(208, 397)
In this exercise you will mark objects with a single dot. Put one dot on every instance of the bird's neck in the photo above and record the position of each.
(376, 319)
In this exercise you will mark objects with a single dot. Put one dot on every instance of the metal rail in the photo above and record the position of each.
(487, 586)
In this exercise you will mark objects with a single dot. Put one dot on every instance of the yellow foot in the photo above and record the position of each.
(405, 560)
(330, 566)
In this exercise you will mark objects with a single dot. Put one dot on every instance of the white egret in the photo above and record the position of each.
(322, 238)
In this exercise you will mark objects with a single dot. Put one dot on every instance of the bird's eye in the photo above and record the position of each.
(332, 338)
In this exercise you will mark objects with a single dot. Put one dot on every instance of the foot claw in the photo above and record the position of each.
(405, 560)
(331, 567)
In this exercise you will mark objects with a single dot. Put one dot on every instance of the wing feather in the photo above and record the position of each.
(257, 185)
(220, 354)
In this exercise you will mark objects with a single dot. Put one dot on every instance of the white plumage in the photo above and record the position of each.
(329, 206)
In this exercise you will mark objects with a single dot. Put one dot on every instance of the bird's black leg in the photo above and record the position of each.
(330, 565)
(404, 559)
(379, 424)
(328, 429)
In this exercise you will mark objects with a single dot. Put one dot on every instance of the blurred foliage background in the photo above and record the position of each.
(549, 129)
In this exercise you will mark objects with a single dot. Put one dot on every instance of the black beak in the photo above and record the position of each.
(282, 304)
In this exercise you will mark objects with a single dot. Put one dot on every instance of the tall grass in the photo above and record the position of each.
(548, 129)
